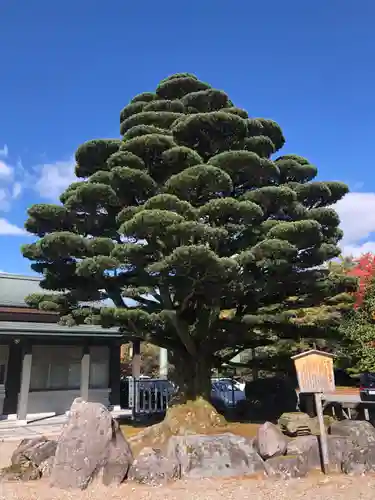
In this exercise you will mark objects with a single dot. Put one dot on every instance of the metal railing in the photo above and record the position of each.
(145, 397)
(149, 396)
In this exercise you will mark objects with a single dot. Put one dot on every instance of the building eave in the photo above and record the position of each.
(23, 328)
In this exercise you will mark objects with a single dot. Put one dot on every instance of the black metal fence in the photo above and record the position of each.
(146, 397)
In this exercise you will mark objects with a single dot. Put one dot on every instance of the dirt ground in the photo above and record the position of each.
(313, 488)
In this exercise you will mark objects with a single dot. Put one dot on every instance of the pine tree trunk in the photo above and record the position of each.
(192, 376)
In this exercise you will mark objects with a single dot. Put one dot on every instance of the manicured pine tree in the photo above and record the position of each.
(190, 214)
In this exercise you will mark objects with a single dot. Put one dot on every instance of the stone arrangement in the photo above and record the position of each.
(91, 447)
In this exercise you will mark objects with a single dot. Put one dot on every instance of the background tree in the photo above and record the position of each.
(188, 216)
(342, 265)
(149, 360)
(358, 332)
(363, 269)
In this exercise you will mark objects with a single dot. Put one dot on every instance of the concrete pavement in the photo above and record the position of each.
(13, 430)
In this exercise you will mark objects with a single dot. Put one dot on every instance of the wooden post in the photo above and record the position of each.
(114, 374)
(85, 373)
(25, 383)
(136, 359)
(136, 373)
(323, 434)
(163, 363)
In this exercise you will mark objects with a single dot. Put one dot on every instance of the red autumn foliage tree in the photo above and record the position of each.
(364, 270)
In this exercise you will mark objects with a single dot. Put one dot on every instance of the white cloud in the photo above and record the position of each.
(4, 200)
(5, 170)
(54, 178)
(358, 250)
(357, 214)
(8, 229)
(4, 151)
(16, 190)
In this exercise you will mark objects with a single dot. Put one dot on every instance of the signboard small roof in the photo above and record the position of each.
(313, 351)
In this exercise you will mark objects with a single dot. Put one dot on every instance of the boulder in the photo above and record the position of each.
(314, 424)
(338, 448)
(28, 458)
(295, 423)
(221, 455)
(308, 447)
(91, 444)
(270, 441)
(360, 432)
(153, 468)
(35, 450)
(287, 466)
(359, 460)
(46, 466)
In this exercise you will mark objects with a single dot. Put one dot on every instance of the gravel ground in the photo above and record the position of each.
(314, 488)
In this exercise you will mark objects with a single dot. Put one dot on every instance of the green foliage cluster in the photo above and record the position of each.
(191, 215)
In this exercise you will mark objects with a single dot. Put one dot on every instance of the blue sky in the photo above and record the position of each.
(69, 67)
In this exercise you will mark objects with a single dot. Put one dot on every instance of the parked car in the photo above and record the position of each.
(226, 394)
(367, 386)
(237, 384)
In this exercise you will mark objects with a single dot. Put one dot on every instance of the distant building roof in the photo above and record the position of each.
(22, 328)
(15, 287)
(13, 290)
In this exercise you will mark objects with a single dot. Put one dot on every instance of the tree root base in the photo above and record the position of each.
(192, 417)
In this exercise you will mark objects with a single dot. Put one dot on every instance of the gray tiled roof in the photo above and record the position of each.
(14, 288)
(52, 329)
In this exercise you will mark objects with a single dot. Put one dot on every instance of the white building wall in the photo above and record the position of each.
(61, 365)
(60, 401)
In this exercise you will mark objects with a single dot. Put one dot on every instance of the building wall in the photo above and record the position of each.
(60, 401)
(56, 377)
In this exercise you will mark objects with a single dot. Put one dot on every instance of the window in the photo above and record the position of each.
(56, 367)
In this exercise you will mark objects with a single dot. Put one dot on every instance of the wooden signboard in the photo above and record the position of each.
(315, 371)
(315, 375)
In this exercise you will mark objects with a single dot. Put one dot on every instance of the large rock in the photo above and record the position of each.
(153, 468)
(28, 458)
(91, 444)
(222, 455)
(270, 441)
(35, 450)
(360, 432)
(295, 423)
(46, 467)
(308, 446)
(359, 461)
(287, 466)
(338, 448)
